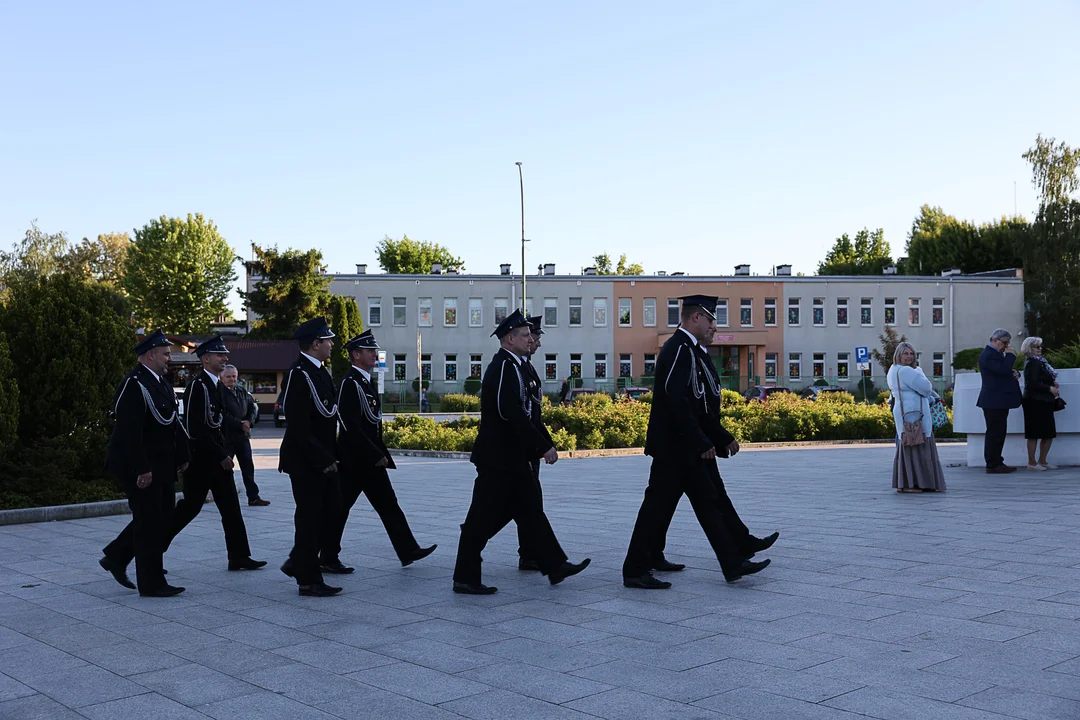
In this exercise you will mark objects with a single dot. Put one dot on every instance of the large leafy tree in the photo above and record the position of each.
(889, 340)
(38, 255)
(603, 266)
(1054, 169)
(414, 257)
(867, 254)
(178, 273)
(344, 316)
(9, 399)
(939, 241)
(291, 286)
(101, 259)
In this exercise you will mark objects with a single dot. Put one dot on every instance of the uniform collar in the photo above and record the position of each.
(314, 362)
(689, 335)
(363, 372)
(518, 360)
(151, 373)
(212, 377)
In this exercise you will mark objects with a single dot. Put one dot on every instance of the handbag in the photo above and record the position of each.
(1059, 404)
(939, 417)
(912, 435)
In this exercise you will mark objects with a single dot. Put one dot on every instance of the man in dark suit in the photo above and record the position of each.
(680, 448)
(146, 449)
(726, 446)
(505, 489)
(1000, 393)
(309, 455)
(534, 390)
(241, 414)
(365, 459)
(211, 465)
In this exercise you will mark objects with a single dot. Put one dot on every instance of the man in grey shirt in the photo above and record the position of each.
(240, 414)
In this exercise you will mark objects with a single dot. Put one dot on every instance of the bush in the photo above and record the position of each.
(967, 359)
(646, 398)
(472, 385)
(593, 400)
(459, 403)
(730, 397)
(9, 400)
(416, 385)
(1067, 356)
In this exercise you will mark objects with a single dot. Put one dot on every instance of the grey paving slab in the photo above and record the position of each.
(958, 605)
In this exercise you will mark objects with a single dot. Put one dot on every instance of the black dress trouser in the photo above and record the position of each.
(375, 484)
(247, 467)
(997, 425)
(668, 482)
(500, 496)
(740, 534)
(145, 538)
(318, 511)
(198, 481)
(540, 491)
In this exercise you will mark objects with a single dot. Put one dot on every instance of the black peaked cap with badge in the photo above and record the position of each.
(151, 341)
(213, 345)
(364, 341)
(513, 321)
(314, 329)
(706, 302)
(536, 322)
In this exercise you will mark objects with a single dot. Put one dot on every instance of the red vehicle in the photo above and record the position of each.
(762, 392)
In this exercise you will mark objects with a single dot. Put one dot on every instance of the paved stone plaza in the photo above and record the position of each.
(962, 605)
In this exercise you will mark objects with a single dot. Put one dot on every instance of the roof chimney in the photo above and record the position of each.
(589, 271)
(361, 269)
(451, 271)
(783, 270)
(661, 273)
(890, 270)
(504, 269)
(549, 268)
(742, 270)
(436, 268)
(677, 273)
(951, 271)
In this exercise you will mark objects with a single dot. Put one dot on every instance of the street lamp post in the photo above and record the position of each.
(521, 183)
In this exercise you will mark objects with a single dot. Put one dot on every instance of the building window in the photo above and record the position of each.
(890, 311)
(819, 312)
(746, 312)
(794, 366)
(501, 305)
(575, 312)
(939, 364)
(476, 365)
(672, 312)
(650, 363)
(842, 365)
(626, 365)
(399, 312)
(600, 366)
(599, 312)
(721, 312)
(913, 311)
(399, 367)
(624, 312)
(529, 308)
(450, 367)
(551, 312)
(770, 312)
(819, 365)
(575, 365)
(648, 312)
(374, 312)
(866, 312)
(770, 367)
(476, 312)
(793, 311)
(937, 316)
(449, 312)
(425, 366)
(551, 366)
(423, 314)
(841, 312)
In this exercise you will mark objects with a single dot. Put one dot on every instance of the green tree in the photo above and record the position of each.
(938, 242)
(889, 340)
(290, 287)
(9, 399)
(344, 317)
(101, 260)
(868, 254)
(1054, 169)
(178, 273)
(603, 266)
(414, 257)
(38, 255)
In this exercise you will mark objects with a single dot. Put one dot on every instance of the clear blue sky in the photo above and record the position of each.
(692, 135)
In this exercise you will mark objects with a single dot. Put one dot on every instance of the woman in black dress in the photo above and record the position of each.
(1040, 393)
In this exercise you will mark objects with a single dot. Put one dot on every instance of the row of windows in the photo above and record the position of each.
(402, 369)
(575, 307)
(818, 369)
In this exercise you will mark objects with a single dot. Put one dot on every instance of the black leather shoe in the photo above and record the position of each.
(287, 568)
(747, 567)
(119, 572)
(757, 544)
(418, 554)
(246, 564)
(567, 569)
(258, 502)
(163, 591)
(318, 590)
(336, 568)
(664, 566)
(474, 588)
(645, 582)
(526, 564)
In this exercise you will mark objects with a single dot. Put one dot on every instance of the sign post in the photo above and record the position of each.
(862, 360)
(381, 369)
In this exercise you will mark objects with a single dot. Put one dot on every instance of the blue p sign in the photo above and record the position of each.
(862, 355)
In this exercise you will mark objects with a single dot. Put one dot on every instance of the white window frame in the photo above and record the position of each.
(448, 305)
(597, 361)
(626, 305)
(842, 304)
(723, 318)
(770, 304)
(570, 316)
(425, 365)
(501, 303)
(374, 303)
(552, 304)
(404, 307)
(420, 303)
(890, 304)
(746, 304)
(817, 303)
(580, 364)
(939, 304)
(404, 363)
(866, 304)
(477, 360)
(650, 358)
(600, 312)
(915, 304)
(771, 359)
(673, 304)
(843, 360)
(794, 359)
(796, 304)
(629, 360)
(646, 304)
(448, 360)
(938, 357)
(818, 357)
(551, 360)
(476, 305)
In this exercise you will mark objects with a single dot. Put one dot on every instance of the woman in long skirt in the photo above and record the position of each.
(916, 467)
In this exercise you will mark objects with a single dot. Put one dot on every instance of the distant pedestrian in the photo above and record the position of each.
(1041, 391)
(564, 391)
(241, 414)
(1000, 393)
(916, 467)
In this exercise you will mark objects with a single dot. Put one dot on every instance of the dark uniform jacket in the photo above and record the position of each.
(310, 404)
(204, 417)
(507, 438)
(1000, 390)
(360, 441)
(679, 414)
(713, 398)
(239, 406)
(148, 436)
(534, 390)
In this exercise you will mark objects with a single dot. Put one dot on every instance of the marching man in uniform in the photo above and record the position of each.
(365, 459)
(534, 389)
(147, 448)
(505, 488)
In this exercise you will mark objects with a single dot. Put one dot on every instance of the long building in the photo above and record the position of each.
(607, 330)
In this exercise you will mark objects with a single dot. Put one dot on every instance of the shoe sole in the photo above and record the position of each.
(492, 591)
(658, 586)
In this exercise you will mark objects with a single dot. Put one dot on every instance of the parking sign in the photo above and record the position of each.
(862, 355)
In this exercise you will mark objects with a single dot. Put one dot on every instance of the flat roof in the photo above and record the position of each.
(1011, 275)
